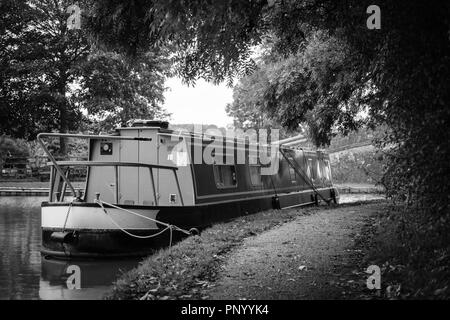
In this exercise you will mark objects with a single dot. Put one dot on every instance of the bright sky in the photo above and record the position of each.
(203, 104)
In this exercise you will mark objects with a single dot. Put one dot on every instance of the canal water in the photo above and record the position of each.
(24, 274)
(355, 197)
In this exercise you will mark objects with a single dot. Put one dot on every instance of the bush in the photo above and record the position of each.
(357, 166)
(10, 147)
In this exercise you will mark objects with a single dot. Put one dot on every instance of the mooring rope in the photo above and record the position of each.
(169, 227)
(64, 227)
(67, 215)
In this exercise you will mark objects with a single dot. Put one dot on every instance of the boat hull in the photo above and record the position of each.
(87, 231)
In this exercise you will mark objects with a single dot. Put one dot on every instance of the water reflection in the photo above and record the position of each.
(20, 241)
(354, 197)
(59, 281)
(25, 275)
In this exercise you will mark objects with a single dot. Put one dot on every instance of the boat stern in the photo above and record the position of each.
(79, 229)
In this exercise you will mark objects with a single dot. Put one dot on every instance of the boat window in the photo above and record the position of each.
(326, 169)
(255, 175)
(293, 174)
(318, 171)
(178, 154)
(309, 170)
(179, 157)
(225, 176)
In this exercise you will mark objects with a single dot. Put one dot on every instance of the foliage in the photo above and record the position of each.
(212, 39)
(411, 73)
(414, 262)
(246, 108)
(313, 86)
(398, 74)
(75, 148)
(10, 147)
(115, 90)
(363, 136)
(327, 68)
(51, 75)
(14, 148)
(37, 57)
(361, 166)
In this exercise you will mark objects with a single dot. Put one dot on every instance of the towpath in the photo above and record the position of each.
(312, 257)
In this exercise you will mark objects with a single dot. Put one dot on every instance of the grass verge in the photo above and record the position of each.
(412, 252)
(182, 271)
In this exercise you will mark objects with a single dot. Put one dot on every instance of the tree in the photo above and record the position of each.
(115, 90)
(397, 75)
(211, 39)
(51, 74)
(404, 66)
(246, 108)
(312, 87)
(12, 148)
(40, 56)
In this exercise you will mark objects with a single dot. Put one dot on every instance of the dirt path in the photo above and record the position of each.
(302, 259)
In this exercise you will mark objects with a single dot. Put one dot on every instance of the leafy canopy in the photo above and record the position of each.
(212, 40)
(316, 86)
(334, 66)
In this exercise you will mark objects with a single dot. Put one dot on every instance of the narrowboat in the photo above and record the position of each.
(145, 184)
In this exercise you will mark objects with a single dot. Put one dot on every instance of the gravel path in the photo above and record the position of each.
(302, 259)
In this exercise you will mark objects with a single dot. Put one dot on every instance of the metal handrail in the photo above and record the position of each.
(57, 164)
(80, 136)
(244, 141)
(111, 163)
(116, 164)
(91, 136)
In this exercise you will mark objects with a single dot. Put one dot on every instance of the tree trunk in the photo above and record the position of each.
(63, 112)
(63, 128)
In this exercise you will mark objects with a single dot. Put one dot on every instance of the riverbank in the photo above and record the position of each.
(29, 188)
(193, 267)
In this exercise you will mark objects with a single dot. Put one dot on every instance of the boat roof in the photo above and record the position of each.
(163, 128)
